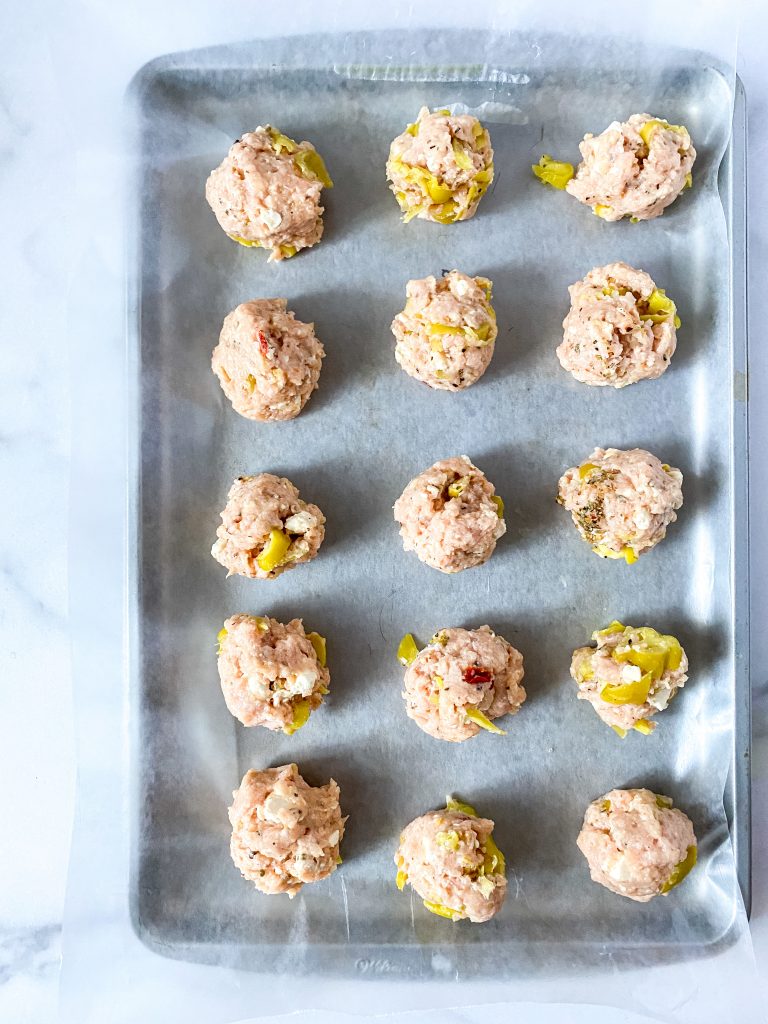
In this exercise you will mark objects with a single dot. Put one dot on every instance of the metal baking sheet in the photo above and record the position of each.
(367, 431)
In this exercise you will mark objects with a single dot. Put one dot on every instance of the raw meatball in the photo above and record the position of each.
(462, 680)
(637, 844)
(446, 332)
(271, 674)
(450, 516)
(266, 528)
(440, 166)
(450, 859)
(266, 192)
(635, 168)
(632, 673)
(285, 833)
(267, 361)
(621, 328)
(621, 501)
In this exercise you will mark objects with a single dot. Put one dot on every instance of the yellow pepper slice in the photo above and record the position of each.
(286, 251)
(553, 172)
(621, 733)
(441, 911)
(628, 693)
(477, 716)
(439, 329)
(274, 551)
(585, 673)
(451, 804)
(627, 553)
(220, 638)
(312, 166)
(449, 839)
(458, 487)
(281, 142)
(499, 503)
(437, 193)
(650, 651)
(244, 241)
(601, 210)
(401, 879)
(615, 627)
(689, 180)
(446, 213)
(250, 383)
(647, 130)
(586, 469)
(301, 713)
(318, 642)
(494, 862)
(658, 308)
(644, 727)
(605, 806)
(462, 157)
(681, 870)
(413, 128)
(407, 650)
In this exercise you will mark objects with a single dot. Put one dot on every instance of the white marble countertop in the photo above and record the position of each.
(38, 777)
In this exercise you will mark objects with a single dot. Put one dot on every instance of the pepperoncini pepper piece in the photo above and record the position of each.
(441, 911)
(462, 157)
(493, 863)
(498, 501)
(681, 870)
(274, 551)
(628, 693)
(658, 308)
(312, 166)
(301, 713)
(627, 553)
(407, 650)
(318, 642)
(553, 172)
(477, 716)
(650, 651)
(451, 804)
(646, 131)
(281, 142)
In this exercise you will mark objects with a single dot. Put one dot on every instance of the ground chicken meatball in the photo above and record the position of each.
(285, 833)
(446, 332)
(450, 859)
(266, 528)
(272, 674)
(267, 361)
(637, 844)
(266, 192)
(461, 681)
(621, 501)
(450, 516)
(440, 166)
(621, 328)
(634, 168)
(632, 673)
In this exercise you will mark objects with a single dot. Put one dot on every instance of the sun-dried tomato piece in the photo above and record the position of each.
(263, 343)
(478, 676)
